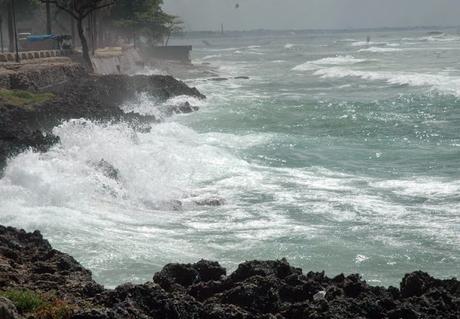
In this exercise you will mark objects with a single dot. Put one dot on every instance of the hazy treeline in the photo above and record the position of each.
(115, 21)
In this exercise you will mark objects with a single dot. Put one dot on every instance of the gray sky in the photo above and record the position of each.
(313, 14)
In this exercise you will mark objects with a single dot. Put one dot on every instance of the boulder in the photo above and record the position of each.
(8, 309)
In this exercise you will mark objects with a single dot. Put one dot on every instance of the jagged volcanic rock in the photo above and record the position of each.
(256, 290)
(93, 97)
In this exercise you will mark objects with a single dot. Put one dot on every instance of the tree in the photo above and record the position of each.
(79, 10)
(173, 26)
(24, 9)
(141, 17)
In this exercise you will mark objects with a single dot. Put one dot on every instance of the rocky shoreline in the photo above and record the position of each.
(72, 93)
(256, 289)
(37, 281)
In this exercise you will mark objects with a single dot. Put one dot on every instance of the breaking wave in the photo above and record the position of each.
(338, 60)
(442, 83)
(380, 50)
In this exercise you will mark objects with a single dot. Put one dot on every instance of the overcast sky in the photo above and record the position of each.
(313, 14)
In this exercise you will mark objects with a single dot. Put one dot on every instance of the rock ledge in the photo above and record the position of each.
(257, 289)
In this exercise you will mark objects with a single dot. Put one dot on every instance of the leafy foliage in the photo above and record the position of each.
(24, 300)
(41, 306)
(57, 309)
(144, 17)
(80, 9)
(23, 99)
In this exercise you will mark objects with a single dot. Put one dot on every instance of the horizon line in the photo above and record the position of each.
(331, 29)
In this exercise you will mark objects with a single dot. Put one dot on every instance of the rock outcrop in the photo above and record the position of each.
(39, 76)
(78, 95)
(256, 289)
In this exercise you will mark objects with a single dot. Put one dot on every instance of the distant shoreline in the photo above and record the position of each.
(262, 31)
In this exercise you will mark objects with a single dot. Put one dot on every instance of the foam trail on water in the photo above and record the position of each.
(365, 43)
(301, 168)
(338, 60)
(443, 83)
(380, 50)
(146, 105)
(126, 226)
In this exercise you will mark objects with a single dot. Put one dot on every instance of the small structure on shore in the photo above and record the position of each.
(179, 53)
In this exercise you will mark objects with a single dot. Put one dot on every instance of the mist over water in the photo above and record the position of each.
(338, 154)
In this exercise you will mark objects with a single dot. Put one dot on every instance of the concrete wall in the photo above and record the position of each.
(30, 55)
(117, 61)
(175, 53)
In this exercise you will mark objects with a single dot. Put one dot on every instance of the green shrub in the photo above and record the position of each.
(24, 300)
(57, 309)
(40, 305)
(24, 98)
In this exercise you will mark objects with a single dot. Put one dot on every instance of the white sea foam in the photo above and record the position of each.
(431, 188)
(365, 43)
(288, 46)
(338, 60)
(212, 56)
(126, 228)
(146, 105)
(442, 83)
(440, 38)
(380, 50)
(151, 71)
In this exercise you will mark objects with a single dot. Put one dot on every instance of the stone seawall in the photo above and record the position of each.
(39, 76)
(117, 61)
(31, 55)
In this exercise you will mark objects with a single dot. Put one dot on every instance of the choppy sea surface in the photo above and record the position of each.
(339, 154)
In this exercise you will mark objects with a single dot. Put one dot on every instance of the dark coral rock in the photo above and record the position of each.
(151, 301)
(182, 274)
(223, 311)
(278, 268)
(257, 294)
(209, 270)
(415, 284)
(256, 290)
(188, 274)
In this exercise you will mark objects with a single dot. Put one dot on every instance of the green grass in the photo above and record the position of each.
(58, 309)
(42, 306)
(24, 98)
(24, 300)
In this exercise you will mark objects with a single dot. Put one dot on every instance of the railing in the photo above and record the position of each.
(30, 55)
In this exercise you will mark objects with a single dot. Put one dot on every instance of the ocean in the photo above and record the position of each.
(337, 153)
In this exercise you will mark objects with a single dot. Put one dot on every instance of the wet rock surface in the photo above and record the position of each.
(256, 289)
(8, 309)
(93, 97)
(212, 201)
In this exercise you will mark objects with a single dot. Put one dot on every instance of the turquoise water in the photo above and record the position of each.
(338, 154)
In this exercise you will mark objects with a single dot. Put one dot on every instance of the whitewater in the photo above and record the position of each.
(338, 154)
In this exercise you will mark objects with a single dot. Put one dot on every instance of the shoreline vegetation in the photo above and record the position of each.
(37, 281)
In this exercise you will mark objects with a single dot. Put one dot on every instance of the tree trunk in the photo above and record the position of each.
(1, 34)
(48, 18)
(72, 30)
(84, 45)
(167, 39)
(10, 29)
